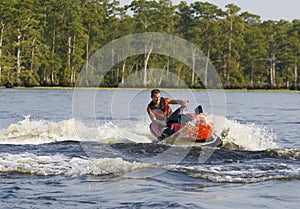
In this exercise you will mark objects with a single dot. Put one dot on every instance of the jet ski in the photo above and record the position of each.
(191, 129)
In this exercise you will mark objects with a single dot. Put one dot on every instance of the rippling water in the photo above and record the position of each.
(51, 158)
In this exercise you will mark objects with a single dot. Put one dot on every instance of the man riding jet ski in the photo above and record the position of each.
(159, 111)
(165, 123)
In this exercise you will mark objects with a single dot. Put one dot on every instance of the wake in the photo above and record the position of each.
(239, 136)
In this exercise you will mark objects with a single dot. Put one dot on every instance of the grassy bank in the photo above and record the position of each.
(166, 89)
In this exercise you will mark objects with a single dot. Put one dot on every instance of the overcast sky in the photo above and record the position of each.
(266, 9)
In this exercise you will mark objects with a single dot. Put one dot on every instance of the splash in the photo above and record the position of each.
(30, 131)
(137, 132)
(240, 136)
(28, 163)
(249, 137)
(38, 132)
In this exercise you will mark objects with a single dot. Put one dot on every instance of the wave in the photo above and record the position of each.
(243, 166)
(240, 136)
(221, 167)
(248, 136)
(30, 131)
(38, 132)
(287, 153)
(28, 163)
(239, 173)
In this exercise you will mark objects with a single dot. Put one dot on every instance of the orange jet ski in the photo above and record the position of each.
(188, 129)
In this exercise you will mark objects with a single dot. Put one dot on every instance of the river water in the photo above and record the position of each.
(61, 151)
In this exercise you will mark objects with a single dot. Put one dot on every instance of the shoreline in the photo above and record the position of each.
(148, 88)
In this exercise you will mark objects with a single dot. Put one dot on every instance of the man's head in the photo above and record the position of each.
(154, 91)
(155, 95)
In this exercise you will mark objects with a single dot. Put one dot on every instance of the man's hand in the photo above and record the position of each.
(185, 104)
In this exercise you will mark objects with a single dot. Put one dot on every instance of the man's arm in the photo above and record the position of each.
(154, 119)
(183, 103)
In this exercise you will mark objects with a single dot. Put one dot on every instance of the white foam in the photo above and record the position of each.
(246, 136)
(30, 131)
(38, 132)
(239, 172)
(137, 132)
(60, 165)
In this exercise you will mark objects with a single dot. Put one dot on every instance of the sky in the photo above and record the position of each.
(266, 9)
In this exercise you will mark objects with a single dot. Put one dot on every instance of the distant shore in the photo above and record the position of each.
(144, 88)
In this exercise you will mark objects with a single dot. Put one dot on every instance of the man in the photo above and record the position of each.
(159, 111)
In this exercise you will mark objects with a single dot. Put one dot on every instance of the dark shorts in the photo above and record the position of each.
(158, 130)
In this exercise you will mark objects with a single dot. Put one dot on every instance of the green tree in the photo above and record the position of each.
(26, 38)
(276, 34)
(184, 13)
(71, 40)
(204, 31)
(48, 42)
(233, 29)
(294, 45)
(6, 58)
(50, 69)
(285, 54)
(254, 55)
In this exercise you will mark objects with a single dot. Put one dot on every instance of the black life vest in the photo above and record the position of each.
(163, 111)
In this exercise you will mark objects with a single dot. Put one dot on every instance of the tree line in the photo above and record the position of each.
(46, 43)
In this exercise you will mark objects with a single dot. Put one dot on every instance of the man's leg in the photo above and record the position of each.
(174, 117)
(165, 133)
